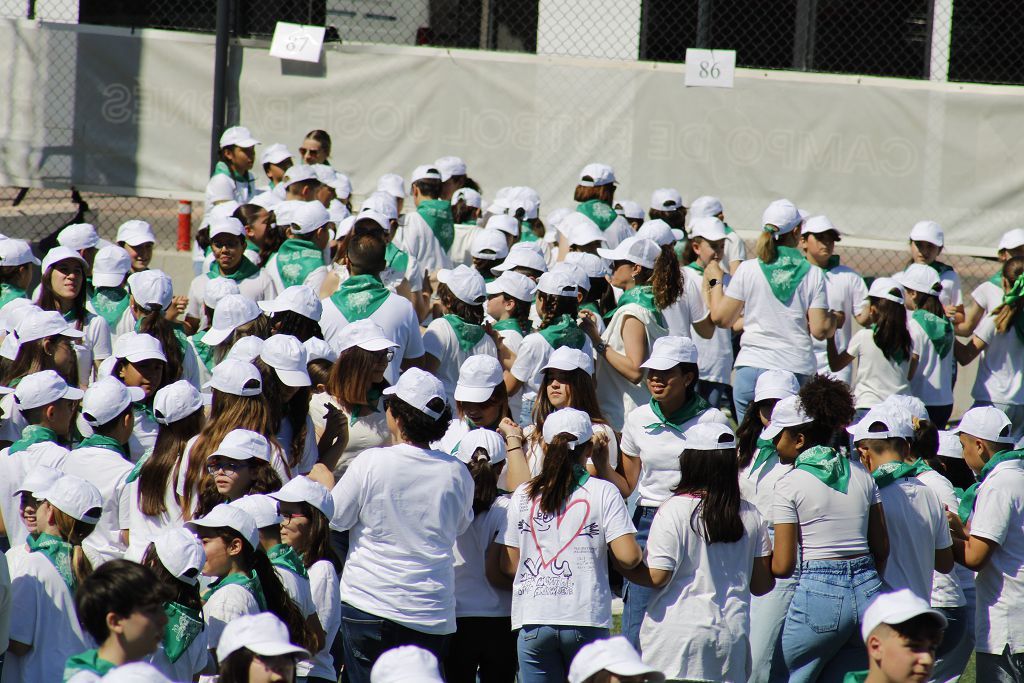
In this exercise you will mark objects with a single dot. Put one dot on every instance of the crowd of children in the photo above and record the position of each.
(437, 437)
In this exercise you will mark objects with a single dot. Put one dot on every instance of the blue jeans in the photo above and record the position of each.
(367, 636)
(1005, 667)
(950, 659)
(767, 616)
(634, 597)
(714, 392)
(526, 413)
(744, 380)
(821, 636)
(545, 652)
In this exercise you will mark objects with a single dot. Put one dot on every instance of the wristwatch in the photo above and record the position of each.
(713, 282)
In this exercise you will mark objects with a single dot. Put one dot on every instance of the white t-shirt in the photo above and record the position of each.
(714, 355)
(94, 347)
(368, 430)
(988, 295)
(13, 468)
(323, 582)
(562, 578)
(532, 356)
(399, 322)
(1000, 376)
(686, 310)
(258, 287)
(999, 517)
(227, 603)
(190, 663)
(439, 341)
(13, 422)
(846, 292)
(616, 395)
(512, 339)
(832, 524)
(659, 448)
(758, 486)
(775, 335)
(405, 506)
(46, 620)
(416, 238)
(697, 626)
(917, 526)
(106, 470)
(462, 243)
(618, 231)
(933, 379)
(474, 594)
(946, 590)
(142, 528)
(878, 377)
(951, 290)
(297, 588)
(313, 280)
(143, 436)
(735, 249)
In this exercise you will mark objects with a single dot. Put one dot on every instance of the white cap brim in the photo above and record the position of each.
(374, 344)
(293, 378)
(108, 279)
(74, 394)
(661, 363)
(215, 336)
(473, 394)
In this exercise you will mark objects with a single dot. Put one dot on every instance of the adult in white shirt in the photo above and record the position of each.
(595, 191)
(782, 300)
(405, 505)
(232, 177)
(989, 294)
(426, 234)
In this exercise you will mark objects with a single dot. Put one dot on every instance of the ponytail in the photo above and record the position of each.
(1006, 313)
(485, 480)
(766, 248)
(928, 301)
(554, 307)
(74, 531)
(891, 335)
(667, 279)
(555, 482)
(925, 444)
(154, 323)
(749, 431)
(278, 601)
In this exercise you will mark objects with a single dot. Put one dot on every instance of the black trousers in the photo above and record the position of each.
(487, 644)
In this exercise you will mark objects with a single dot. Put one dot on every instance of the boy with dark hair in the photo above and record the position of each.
(427, 233)
(901, 633)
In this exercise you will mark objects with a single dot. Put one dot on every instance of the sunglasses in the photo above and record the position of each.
(227, 466)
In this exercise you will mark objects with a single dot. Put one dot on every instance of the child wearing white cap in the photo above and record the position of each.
(782, 300)
(595, 192)
(295, 311)
(300, 259)
(139, 363)
(258, 648)
(63, 289)
(286, 382)
(994, 544)
(275, 159)
(458, 334)
(509, 300)
(667, 205)
(426, 234)
(561, 527)
(708, 551)
(1000, 343)
(47, 403)
(706, 206)
(989, 294)
(399, 576)
(235, 317)
(20, 519)
(109, 296)
(238, 466)
(233, 171)
(466, 211)
(136, 237)
(454, 176)
(611, 660)
(481, 400)
(46, 631)
(901, 633)
(215, 290)
(926, 241)
(16, 261)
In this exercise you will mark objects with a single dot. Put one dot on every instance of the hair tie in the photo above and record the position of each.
(770, 228)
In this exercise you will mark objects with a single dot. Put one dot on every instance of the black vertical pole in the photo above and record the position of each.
(220, 73)
(704, 23)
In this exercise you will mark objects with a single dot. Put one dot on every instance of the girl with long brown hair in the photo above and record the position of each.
(282, 365)
(139, 361)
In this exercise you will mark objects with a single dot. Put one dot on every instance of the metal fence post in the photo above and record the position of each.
(220, 72)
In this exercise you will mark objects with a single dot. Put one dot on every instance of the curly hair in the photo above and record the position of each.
(829, 403)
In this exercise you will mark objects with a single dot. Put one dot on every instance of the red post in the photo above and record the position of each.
(184, 225)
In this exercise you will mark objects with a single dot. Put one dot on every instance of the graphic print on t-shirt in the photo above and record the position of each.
(550, 571)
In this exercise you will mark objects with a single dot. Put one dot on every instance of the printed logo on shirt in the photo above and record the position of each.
(549, 570)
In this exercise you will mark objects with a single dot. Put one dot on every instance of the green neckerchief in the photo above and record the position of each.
(137, 470)
(282, 555)
(889, 472)
(971, 493)
(828, 465)
(100, 441)
(1013, 296)
(689, 410)
(728, 230)
(87, 661)
(526, 233)
(9, 293)
(203, 350)
(468, 334)
(71, 316)
(938, 330)
(511, 324)
(110, 303)
(146, 410)
(373, 395)
(184, 625)
(250, 583)
(897, 357)
(438, 215)
(360, 296)
(249, 180)
(58, 552)
(296, 259)
(600, 212)
(592, 307)
(564, 332)
(396, 259)
(245, 270)
(997, 279)
(251, 246)
(855, 677)
(765, 450)
(785, 273)
(642, 295)
(833, 261)
(696, 266)
(580, 476)
(34, 434)
(940, 267)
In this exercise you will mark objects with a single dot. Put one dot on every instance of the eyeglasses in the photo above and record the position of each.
(291, 515)
(388, 354)
(227, 466)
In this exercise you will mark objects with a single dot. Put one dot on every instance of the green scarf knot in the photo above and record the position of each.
(468, 334)
(360, 296)
(765, 450)
(598, 211)
(940, 267)
(296, 259)
(183, 626)
(938, 330)
(564, 332)
(580, 475)
(1015, 294)
(203, 350)
(87, 661)
(890, 472)
(250, 583)
(285, 556)
(686, 412)
(372, 405)
(970, 494)
(833, 262)
(785, 273)
(137, 470)
(105, 442)
(33, 434)
(438, 215)
(110, 303)
(58, 552)
(396, 259)
(245, 270)
(512, 324)
(641, 295)
(827, 465)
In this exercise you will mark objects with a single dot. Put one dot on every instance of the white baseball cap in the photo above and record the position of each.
(309, 217)
(135, 232)
(16, 252)
(478, 376)
(366, 334)
(449, 166)
(239, 136)
(39, 478)
(658, 231)
(709, 436)
(950, 445)
(704, 206)
(236, 377)
(627, 208)
(615, 655)
(393, 184)
(467, 195)
(107, 398)
(318, 349)
(642, 252)
(883, 288)
(181, 553)
(521, 255)
(709, 228)
(1012, 239)
(301, 299)
(231, 312)
(987, 423)
(263, 634)
(343, 225)
(151, 288)
(109, 266)
(75, 497)
(596, 175)
(287, 356)
(324, 173)
(15, 309)
(418, 388)
(135, 672)
(788, 412)
(516, 285)
(261, 507)
(223, 210)
(574, 272)
(246, 349)
(487, 439)
(666, 199)
(275, 154)
(783, 214)
(568, 359)
(304, 490)
(819, 224)
(297, 174)
(580, 230)
(466, 283)
(558, 283)
(58, 254)
(555, 218)
(230, 517)
(406, 664)
(78, 236)
(244, 444)
(424, 172)
(521, 200)
(896, 608)
(927, 231)
(138, 346)
(593, 265)
(888, 425)
(669, 352)
(216, 289)
(490, 245)
(39, 324)
(175, 401)
(43, 388)
(777, 384)
(920, 278)
(266, 200)
(503, 222)
(226, 225)
(381, 216)
(568, 421)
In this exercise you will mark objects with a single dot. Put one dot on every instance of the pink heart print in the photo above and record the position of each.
(573, 518)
